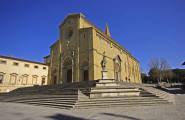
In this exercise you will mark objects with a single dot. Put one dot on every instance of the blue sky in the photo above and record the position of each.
(147, 28)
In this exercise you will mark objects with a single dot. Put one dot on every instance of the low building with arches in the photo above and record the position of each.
(16, 73)
(77, 54)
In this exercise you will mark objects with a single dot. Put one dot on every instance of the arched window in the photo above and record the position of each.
(24, 79)
(34, 79)
(43, 81)
(1, 77)
(13, 78)
(117, 68)
(68, 70)
(85, 71)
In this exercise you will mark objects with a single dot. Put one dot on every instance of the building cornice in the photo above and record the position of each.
(23, 60)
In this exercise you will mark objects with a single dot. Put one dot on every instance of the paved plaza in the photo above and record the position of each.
(15, 111)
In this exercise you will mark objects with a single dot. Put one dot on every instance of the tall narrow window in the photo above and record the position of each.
(86, 75)
(34, 79)
(1, 77)
(55, 80)
(13, 78)
(43, 82)
(24, 79)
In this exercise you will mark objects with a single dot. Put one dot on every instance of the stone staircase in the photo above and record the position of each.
(162, 94)
(86, 95)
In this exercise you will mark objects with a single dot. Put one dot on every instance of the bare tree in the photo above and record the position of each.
(164, 68)
(154, 66)
(154, 63)
(160, 70)
(168, 74)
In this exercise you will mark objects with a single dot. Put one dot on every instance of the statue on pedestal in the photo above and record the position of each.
(104, 62)
(103, 65)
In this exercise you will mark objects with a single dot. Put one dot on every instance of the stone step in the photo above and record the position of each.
(84, 100)
(106, 80)
(114, 90)
(120, 104)
(161, 93)
(50, 102)
(113, 87)
(38, 96)
(67, 103)
(113, 94)
(147, 95)
(101, 87)
(104, 94)
(41, 99)
(60, 105)
(113, 106)
(25, 98)
(51, 106)
(75, 97)
(118, 101)
(107, 84)
(125, 97)
(69, 97)
(74, 91)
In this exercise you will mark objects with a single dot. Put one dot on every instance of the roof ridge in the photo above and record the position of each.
(20, 59)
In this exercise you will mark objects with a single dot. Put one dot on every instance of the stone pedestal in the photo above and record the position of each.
(104, 74)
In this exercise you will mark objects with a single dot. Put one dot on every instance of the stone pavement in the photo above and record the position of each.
(15, 111)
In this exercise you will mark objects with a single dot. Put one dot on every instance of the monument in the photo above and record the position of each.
(77, 55)
(103, 64)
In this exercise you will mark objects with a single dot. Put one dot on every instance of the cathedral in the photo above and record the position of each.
(85, 69)
(83, 53)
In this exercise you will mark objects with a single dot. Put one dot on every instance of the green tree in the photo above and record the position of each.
(154, 75)
(144, 78)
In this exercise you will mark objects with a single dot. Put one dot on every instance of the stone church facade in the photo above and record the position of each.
(78, 54)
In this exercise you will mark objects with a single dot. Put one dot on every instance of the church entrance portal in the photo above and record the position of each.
(69, 75)
(68, 70)
(86, 75)
(55, 80)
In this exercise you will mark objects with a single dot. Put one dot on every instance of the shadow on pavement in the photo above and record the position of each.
(64, 117)
(121, 116)
(174, 90)
(69, 117)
